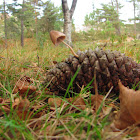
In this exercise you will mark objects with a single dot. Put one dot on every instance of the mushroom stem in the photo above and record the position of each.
(70, 48)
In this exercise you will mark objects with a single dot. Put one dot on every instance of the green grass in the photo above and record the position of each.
(33, 61)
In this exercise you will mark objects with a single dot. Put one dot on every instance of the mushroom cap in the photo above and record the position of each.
(57, 37)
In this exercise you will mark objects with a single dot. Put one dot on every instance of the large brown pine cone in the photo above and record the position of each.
(110, 67)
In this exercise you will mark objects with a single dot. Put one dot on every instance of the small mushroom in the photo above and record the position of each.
(58, 37)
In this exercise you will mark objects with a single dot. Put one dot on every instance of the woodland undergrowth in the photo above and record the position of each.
(28, 111)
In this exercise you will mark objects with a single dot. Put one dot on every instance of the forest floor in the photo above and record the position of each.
(27, 111)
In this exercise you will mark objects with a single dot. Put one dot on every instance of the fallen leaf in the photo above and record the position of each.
(22, 108)
(24, 85)
(138, 134)
(78, 102)
(4, 106)
(66, 137)
(96, 101)
(26, 111)
(129, 113)
(47, 92)
(54, 102)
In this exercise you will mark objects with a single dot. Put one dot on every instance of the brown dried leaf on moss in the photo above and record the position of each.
(26, 111)
(96, 101)
(22, 108)
(138, 134)
(54, 102)
(77, 102)
(129, 113)
(47, 92)
(24, 85)
(4, 106)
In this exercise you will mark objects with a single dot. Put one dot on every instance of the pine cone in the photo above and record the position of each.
(110, 67)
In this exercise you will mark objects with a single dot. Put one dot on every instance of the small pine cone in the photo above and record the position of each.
(110, 66)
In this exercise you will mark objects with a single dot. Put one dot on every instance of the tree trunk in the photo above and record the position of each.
(118, 28)
(68, 19)
(22, 25)
(35, 4)
(134, 16)
(22, 33)
(5, 24)
(67, 27)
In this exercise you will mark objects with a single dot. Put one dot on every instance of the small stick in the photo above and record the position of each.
(38, 59)
(96, 90)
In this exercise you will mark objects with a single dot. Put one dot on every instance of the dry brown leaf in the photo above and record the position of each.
(138, 134)
(22, 108)
(24, 85)
(137, 138)
(21, 103)
(96, 100)
(4, 106)
(50, 93)
(77, 102)
(54, 102)
(45, 131)
(129, 107)
(66, 137)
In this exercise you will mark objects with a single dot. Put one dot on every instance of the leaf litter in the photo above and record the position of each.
(78, 117)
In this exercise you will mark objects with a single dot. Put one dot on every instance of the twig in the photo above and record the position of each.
(38, 59)
(68, 130)
(51, 137)
(96, 90)
(108, 93)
